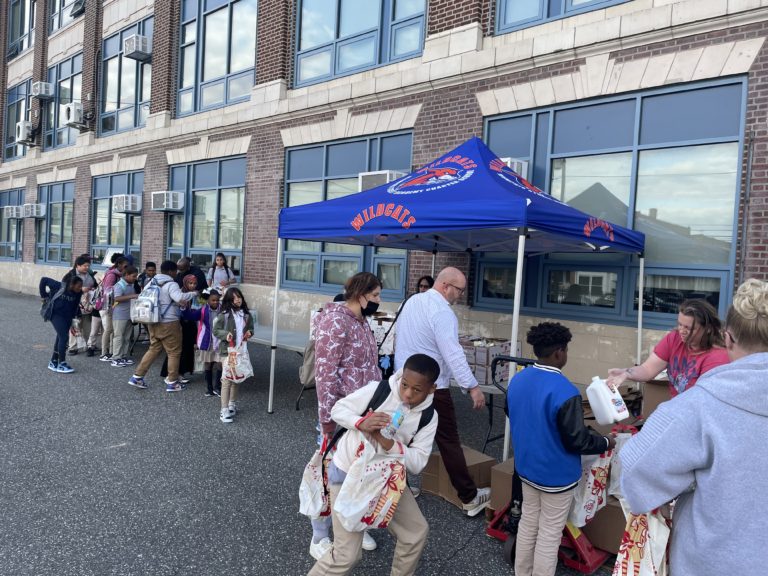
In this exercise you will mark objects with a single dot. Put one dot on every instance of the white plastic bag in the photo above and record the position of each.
(590, 495)
(237, 365)
(77, 332)
(621, 434)
(371, 491)
(313, 493)
(643, 547)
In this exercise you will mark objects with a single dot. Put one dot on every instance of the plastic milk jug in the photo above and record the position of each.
(606, 402)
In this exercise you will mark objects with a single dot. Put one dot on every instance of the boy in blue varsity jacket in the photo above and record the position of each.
(549, 436)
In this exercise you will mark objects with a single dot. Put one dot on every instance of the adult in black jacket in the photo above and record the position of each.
(90, 321)
(65, 307)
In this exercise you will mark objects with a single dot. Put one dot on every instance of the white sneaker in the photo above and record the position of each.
(478, 503)
(320, 549)
(368, 542)
(232, 407)
(225, 416)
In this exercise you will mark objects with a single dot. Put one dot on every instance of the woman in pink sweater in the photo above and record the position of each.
(346, 359)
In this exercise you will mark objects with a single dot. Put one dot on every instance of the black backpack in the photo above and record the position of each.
(381, 394)
(46, 310)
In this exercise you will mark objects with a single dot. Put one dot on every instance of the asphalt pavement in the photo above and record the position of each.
(100, 478)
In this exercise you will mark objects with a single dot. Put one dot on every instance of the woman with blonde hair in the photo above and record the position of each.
(707, 449)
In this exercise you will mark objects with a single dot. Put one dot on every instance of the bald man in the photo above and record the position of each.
(427, 325)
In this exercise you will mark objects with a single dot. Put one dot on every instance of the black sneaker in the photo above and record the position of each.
(90, 352)
(72, 352)
(209, 393)
(106, 358)
(217, 392)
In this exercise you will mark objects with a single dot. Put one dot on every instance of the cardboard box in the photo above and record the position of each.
(501, 484)
(654, 393)
(481, 373)
(435, 480)
(605, 530)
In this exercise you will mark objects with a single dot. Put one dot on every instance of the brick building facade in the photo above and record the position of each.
(470, 71)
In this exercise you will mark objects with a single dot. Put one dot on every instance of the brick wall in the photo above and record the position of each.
(165, 55)
(447, 14)
(274, 46)
(91, 50)
(3, 71)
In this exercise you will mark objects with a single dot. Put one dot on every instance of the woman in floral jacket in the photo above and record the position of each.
(346, 359)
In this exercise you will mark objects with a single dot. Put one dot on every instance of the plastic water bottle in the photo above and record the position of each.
(397, 419)
(606, 402)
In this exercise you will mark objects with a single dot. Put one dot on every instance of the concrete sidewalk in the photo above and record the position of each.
(99, 478)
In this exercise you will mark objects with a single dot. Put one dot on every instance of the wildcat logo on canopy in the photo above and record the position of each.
(441, 173)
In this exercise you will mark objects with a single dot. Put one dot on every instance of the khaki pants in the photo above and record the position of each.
(540, 531)
(106, 337)
(164, 336)
(228, 392)
(408, 526)
(122, 340)
(94, 332)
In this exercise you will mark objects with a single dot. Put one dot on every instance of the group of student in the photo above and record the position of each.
(195, 323)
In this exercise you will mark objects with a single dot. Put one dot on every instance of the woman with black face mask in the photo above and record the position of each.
(346, 358)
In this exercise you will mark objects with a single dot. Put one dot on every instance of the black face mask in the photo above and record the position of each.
(370, 308)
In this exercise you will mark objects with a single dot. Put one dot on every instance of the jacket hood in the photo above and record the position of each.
(394, 385)
(340, 308)
(163, 278)
(741, 384)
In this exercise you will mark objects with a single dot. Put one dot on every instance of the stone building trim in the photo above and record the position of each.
(119, 163)
(118, 14)
(57, 175)
(207, 149)
(602, 76)
(20, 68)
(13, 183)
(66, 42)
(347, 125)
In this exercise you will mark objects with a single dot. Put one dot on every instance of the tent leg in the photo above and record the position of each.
(515, 322)
(640, 282)
(434, 258)
(274, 329)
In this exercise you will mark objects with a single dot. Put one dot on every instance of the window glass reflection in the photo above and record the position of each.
(582, 288)
(662, 293)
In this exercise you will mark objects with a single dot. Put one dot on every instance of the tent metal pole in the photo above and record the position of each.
(274, 328)
(640, 282)
(515, 321)
(434, 258)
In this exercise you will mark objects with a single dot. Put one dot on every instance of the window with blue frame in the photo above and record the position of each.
(21, 26)
(666, 162)
(53, 234)
(115, 231)
(126, 84)
(17, 106)
(67, 80)
(515, 14)
(338, 37)
(11, 229)
(327, 171)
(60, 13)
(217, 56)
(214, 194)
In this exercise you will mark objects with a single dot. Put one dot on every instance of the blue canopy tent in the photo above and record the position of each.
(466, 200)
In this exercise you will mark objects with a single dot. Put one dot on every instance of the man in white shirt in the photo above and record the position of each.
(427, 325)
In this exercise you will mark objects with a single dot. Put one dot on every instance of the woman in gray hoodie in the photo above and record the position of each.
(707, 448)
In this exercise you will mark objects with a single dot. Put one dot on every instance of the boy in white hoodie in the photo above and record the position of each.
(414, 385)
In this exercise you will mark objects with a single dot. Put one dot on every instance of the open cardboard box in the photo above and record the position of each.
(605, 530)
(501, 484)
(435, 480)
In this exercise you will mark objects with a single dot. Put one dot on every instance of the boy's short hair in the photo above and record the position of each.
(150, 265)
(168, 266)
(424, 365)
(82, 259)
(548, 337)
(130, 270)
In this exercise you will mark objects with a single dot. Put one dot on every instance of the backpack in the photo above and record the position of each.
(382, 392)
(146, 308)
(104, 298)
(46, 310)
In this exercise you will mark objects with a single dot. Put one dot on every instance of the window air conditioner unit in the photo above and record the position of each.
(137, 47)
(13, 212)
(78, 7)
(73, 115)
(126, 203)
(519, 167)
(25, 133)
(368, 180)
(34, 210)
(168, 201)
(42, 90)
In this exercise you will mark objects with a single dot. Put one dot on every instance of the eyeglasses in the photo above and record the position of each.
(461, 290)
